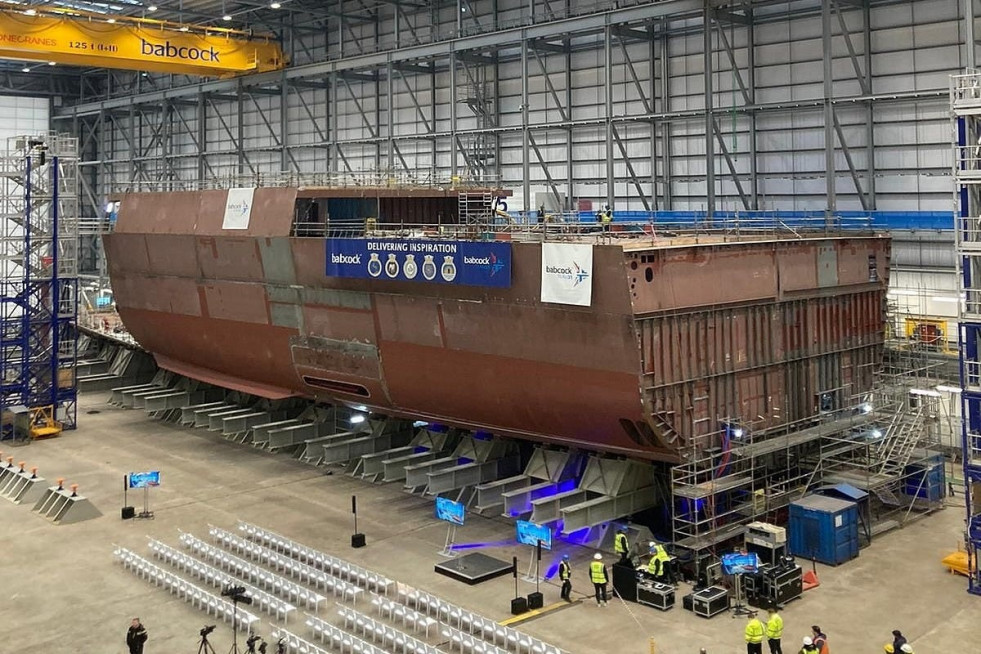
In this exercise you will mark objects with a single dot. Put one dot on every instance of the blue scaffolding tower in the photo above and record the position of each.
(965, 103)
(39, 287)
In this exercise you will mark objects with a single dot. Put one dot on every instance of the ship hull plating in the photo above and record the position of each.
(677, 338)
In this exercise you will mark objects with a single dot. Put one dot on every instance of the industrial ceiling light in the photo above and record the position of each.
(226, 17)
(31, 12)
(184, 28)
(357, 419)
(111, 20)
(274, 5)
(152, 8)
(51, 63)
(25, 69)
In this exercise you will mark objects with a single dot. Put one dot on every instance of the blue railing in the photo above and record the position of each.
(885, 220)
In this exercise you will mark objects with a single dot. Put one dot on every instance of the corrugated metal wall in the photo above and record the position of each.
(762, 364)
(379, 124)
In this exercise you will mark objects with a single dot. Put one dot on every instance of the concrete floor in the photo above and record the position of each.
(62, 593)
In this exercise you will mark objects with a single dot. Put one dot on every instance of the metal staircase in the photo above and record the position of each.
(903, 436)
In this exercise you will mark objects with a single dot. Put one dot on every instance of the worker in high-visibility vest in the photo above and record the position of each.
(621, 546)
(565, 576)
(606, 218)
(774, 630)
(660, 565)
(754, 635)
(597, 575)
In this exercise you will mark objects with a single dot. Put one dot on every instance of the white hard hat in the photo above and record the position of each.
(598, 556)
(808, 640)
(906, 648)
(651, 544)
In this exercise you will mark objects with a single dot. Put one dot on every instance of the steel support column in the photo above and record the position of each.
(202, 126)
(709, 116)
(525, 133)
(829, 109)
(869, 113)
(608, 94)
(970, 50)
(665, 42)
(454, 170)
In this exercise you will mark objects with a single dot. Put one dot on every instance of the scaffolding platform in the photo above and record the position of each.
(798, 438)
(713, 487)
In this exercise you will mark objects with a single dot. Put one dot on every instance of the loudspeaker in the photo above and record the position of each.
(357, 540)
(127, 513)
(536, 600)
(519, 605)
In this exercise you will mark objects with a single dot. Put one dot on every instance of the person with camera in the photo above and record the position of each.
(136, 637)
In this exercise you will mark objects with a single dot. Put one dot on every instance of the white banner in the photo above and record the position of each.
(567, 274)
(238, 208)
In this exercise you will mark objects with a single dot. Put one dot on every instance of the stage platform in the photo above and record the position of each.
(474, 568)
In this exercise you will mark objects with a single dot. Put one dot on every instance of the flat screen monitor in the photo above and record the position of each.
(530, 533)
(449, 510)
(738, 563)
(144, 479)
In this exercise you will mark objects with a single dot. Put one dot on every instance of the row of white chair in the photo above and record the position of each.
(256, 575)
(391, 638)
(340, 640)
(330, 564)
(419, 600)
(218, 579)
(474, 623)
(294, 644)
(305, 573)
(197, 597)
(396, 611)
(468, 643)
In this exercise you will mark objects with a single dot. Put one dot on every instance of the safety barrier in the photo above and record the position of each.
(218, 579)
(65, 507)
(197, 597)
(296, 570)
(330, 564)
(254, 574)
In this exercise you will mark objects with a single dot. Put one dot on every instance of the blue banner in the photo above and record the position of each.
(144, 479)
(468, 263)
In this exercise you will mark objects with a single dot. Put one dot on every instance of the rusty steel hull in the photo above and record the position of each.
(751, 330)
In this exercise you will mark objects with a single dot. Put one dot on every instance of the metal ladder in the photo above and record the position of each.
(897, 449)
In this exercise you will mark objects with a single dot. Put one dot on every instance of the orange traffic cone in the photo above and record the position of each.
(810, 580)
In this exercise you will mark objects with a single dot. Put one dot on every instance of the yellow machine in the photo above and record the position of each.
(55, 34)
(43, 423)
(930, 333)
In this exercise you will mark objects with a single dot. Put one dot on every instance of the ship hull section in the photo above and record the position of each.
(680, 336)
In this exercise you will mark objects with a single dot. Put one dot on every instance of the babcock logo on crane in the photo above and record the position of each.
(167, 50)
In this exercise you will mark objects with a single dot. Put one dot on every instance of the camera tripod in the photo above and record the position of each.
(204, 647)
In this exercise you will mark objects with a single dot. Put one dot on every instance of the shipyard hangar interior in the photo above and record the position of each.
(407, 325)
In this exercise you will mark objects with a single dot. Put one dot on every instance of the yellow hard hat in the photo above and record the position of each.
(889, 649)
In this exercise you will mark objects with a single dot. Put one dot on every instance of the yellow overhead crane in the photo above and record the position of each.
(68, 36)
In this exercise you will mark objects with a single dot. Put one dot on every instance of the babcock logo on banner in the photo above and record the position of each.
(567, 274)
(238, 208)
(468, 263)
